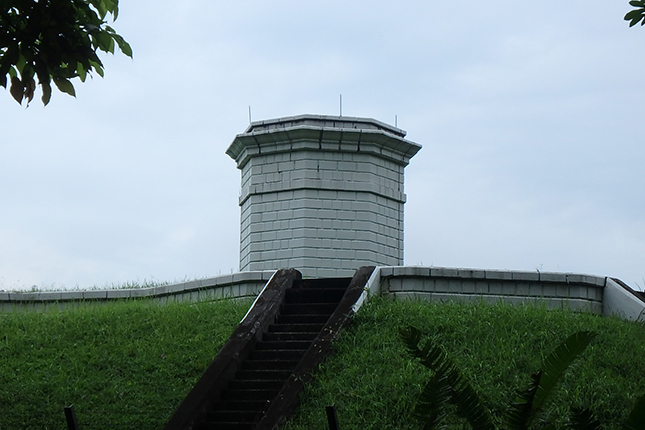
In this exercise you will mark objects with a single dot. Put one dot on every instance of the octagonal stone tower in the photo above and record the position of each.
(322, 194)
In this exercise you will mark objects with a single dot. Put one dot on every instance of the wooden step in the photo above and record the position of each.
(308, 308)
(277, 354)
(293, 328)
(314, 295)
(302, 319)
(289, 336)
(283, 344)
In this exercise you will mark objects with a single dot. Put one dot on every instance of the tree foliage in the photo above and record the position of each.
(54, 41)
(637, 15)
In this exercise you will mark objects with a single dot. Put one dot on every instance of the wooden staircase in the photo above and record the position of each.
(255, 380)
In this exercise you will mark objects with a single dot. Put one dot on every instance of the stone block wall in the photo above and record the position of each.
(606, 296)
(322, 194)
(555, 290)
(235, 285)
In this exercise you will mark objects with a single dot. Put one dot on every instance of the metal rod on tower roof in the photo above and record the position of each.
(341, 105)
(249, 114)
(396, 121)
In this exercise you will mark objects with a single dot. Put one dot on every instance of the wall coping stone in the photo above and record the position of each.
(483, 274)
(98, 294)
(443, 271)
(118, 294)
(525, 276)
(498, 275)
(71, 295)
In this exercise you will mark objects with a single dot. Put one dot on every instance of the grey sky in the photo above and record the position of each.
(530, 116)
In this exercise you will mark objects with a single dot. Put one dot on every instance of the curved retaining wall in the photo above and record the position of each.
(241, 284)
(601, 295)
(557, 290)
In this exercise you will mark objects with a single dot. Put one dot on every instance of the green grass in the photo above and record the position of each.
(374, 384)
(123, 365)
(128, 365)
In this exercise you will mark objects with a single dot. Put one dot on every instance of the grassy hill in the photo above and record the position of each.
(123, 365)
(374, 384)
(128, 365)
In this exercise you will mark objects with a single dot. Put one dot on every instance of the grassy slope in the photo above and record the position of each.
(374, 384)
(123, 365)
(129, 364)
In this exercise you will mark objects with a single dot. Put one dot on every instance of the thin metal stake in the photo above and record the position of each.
(331, 417)
(71, 418)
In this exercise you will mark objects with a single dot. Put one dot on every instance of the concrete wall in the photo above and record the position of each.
(600, 295)
(619, 299)
(243, 284)
(556, 290)
(606, 296)
(323, 194)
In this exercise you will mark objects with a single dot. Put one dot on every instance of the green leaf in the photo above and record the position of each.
(115, 9)
(519, 413)
(98, 67)
(102, 9)
(433, 403)
(462, 395)
(29, 87)
(530, 401)
(65, 86)
(631, 15)
(636, 418)
(80, 69)
(17, 89)
(123, 45)
(583, 419)
(634, 16)
(47, 93)
(557, 362)
(104, 41)
(27, 74)
(20, 64)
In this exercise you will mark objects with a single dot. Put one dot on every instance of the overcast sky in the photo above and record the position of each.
(530, 116)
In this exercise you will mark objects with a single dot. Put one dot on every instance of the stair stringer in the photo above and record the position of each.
(286, 402)
(222, 370)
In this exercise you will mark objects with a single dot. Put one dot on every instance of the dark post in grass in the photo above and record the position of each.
(331, 417)
(71, 418)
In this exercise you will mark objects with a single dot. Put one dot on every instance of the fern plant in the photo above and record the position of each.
(448, 386)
